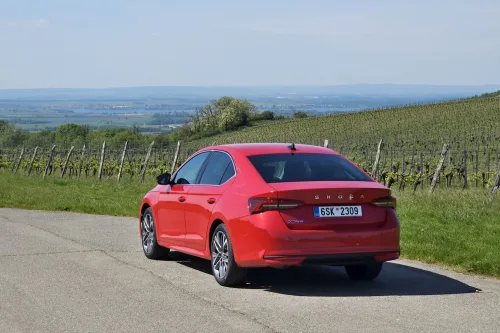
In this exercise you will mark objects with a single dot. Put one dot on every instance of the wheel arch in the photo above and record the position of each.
(215, 223)
(148, 202)
(144, 206)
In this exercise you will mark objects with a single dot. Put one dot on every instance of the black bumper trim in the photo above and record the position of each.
(334, 259)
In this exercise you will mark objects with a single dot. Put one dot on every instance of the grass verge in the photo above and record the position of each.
(457, 228)
(107, 197)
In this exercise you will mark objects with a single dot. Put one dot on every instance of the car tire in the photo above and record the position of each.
(150, 246)
(365, 272)
(224, 269)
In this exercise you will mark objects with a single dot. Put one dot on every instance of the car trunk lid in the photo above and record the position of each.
(342, 205)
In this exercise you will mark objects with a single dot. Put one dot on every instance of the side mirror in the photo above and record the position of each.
(163, 179)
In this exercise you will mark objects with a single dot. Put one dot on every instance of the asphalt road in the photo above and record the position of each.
(64, 272)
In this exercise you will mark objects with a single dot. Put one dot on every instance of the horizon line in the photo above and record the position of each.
(258, 86)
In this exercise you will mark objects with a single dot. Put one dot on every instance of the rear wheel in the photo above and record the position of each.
(224, 268)
(150, 246)
(365, 272)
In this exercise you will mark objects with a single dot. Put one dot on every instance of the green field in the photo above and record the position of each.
(459, 229)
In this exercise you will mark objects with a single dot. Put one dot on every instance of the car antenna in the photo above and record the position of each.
(292, 147)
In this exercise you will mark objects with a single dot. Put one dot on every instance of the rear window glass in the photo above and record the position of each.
(279, 168)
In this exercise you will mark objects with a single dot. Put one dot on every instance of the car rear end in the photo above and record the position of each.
(319, 208)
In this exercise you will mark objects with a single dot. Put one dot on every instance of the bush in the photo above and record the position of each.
(299, 114)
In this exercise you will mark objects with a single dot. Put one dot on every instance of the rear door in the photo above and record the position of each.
(213, 181)
(333, 192)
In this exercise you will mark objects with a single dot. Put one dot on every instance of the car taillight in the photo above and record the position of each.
(389, 202)
(259, 205)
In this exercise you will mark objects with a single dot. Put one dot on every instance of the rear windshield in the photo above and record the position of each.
(280, 168)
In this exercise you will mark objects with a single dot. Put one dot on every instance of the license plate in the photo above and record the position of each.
(337, 211)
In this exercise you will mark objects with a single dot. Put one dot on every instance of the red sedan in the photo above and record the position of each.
(271, 205)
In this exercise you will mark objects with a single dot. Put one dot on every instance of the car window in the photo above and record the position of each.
(278, 168)
(187, 174)
(228, 173)
(215, 169)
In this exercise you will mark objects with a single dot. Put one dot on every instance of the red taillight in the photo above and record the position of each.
(389, 202)
(259, 205)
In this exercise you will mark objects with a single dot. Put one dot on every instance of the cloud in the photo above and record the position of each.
(38, 23)
(41, 23)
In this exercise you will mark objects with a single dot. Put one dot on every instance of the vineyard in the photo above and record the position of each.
(396, 167)
(413, 139)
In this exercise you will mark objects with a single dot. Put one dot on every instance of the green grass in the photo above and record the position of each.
(107, 197)
(456, 228)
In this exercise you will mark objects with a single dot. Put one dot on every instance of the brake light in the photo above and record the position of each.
(259, 205)
(389, 202)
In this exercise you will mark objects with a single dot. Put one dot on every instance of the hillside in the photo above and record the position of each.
(493, 94)
(464, 123)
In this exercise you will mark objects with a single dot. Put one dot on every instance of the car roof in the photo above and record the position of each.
(249, 149)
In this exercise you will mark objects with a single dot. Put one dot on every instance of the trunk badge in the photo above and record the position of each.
(316, 197)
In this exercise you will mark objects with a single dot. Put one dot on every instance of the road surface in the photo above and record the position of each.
(65, 272)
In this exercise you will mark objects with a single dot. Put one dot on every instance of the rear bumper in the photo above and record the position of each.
(336, 259)
(264, 240)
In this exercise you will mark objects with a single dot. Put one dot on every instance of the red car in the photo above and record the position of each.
(271, 205)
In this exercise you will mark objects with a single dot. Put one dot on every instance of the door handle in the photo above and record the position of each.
(211, 200)
(182, 198)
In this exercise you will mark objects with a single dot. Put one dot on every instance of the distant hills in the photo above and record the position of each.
(204, 93)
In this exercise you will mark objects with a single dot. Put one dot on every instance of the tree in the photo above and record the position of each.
(71, 134)
(299, 114)
(11, 136)
(266, 115)
(223, 114)
(4, 126)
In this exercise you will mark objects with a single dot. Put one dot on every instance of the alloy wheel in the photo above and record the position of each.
(220, 254)
(148, 232)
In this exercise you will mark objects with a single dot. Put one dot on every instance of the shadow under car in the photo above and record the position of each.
(329, 281)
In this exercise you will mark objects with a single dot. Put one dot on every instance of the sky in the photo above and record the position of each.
(123, 43)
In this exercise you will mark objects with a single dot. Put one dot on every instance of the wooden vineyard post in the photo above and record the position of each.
(32, 160)
(402, 184)
(476, 169)
(80, 167)
(121, 160)
(420, 179)
(325, 144)
(422, 170)
(488, 166)
(101, 164)
(49, 161)
(18, 163)
(63, 171)
(466, 184)
(146, 161)
(176, 156)
(496, 184)
(446, 147)
(377, 159)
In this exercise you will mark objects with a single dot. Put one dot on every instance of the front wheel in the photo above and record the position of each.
(150, 246)
(365, 272)
(224, 268)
